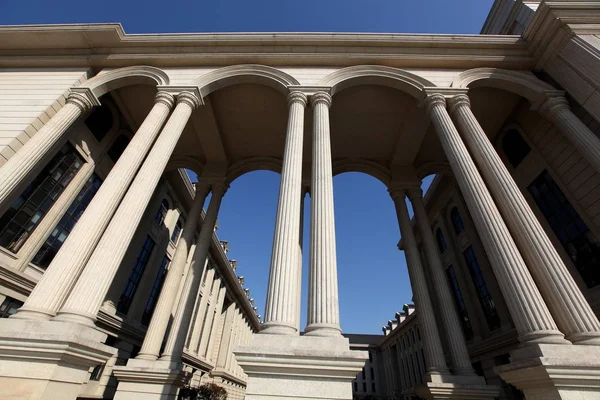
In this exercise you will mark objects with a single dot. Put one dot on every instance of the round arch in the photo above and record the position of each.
(434, 168)
(247, 73)
(253, 164)
(117, 78)
(395, 78)
(185, 162)
(524, 84)
(370, 168)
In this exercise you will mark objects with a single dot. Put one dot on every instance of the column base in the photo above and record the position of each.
(47, 360)
(554, 372)
(149, 380)
(299, 367)
(457, 387)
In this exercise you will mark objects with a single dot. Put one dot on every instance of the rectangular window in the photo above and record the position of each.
(27, 211)
(580, 244)
(156, 288)
(54, 242)
(9, 306)
(373, 387)
(364, 385)
(135, 276)
(485, 298)
(460, 303)
(372, 374)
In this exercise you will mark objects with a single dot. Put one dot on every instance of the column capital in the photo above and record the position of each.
(397, 192)
(321, 97)
(433, 100)
(83, 98)
(296, 96)
(219, 187)
(202, 188)
(190, 98)
(460, 100)
(552, 105)
(414, 192)
(165, 98)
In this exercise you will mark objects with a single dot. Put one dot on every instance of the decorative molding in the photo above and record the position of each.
(114, 79)
(370, 168)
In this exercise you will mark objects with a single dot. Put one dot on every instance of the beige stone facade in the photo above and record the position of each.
(124, 291)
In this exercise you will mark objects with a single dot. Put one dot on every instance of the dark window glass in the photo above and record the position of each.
(457, 221)
(372, 374)
(373, 387)
(370, 357)
(156, 288)
(9, 306)
(27, 211)
(440, 240)
(118, 147)
(135, 276)
(60, 233)
(176, 232)
(581, 245)
(159, 218)
(364, 385)
(364, 376)
(485, 298)
(355, 384)
(460, 303)
(99, 122)
(515, 147)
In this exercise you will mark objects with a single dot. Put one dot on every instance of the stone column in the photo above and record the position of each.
(174, 347)
(434, 353)
(86, 297)
(226, 338)
(41, 232)
(461, 362)
(202, 349)
(569, 307)
(210, 350)
(323, 307)
(527, 307)
(52, 289)
(282, 295)
(196, 326)
(18, 170)
(160, 318)
(556, 109)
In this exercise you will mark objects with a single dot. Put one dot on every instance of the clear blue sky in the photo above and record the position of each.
(373, 279)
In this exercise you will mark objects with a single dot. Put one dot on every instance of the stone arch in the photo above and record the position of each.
(370, 168)
(247, 73)
(253, 164)
(118, 78)
(525, 84)
(434, 168)
(185, 162)
(395, 78)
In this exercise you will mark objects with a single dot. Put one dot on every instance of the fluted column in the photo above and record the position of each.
(226, 337)
(40, 234)
(323, 307)
(461, 362)
(556, 109)
(174, 347)
(86, 297)
(282, 293)
(160, 318)
(196, 327)
(527, 307)
(432, 345)
(17, 171)
(567, 304)
(52, 289)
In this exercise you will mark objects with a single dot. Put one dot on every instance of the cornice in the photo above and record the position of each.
(107, 45)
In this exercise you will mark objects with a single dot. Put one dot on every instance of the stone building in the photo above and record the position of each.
(507, 120)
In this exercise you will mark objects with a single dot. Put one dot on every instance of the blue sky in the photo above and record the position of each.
(373, 279)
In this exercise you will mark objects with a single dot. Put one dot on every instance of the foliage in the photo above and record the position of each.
(209, 391)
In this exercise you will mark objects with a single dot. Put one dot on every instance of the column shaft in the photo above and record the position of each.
(569, 307)
(160, 318)
(227, 332)
(90, 290)
(52, 289)
(527, 307)
(434, 353)
(461, 362)
(18, 170)
(323, 307)
(282, 294)
(197, 326)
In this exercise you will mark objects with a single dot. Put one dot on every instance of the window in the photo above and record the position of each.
(372, 374)
(9, 306)
(27, 211)
(457, 221)
(581, 245)
(515, 147)
(485, 298)
(54, 242)
(459, 301)
(159, 218)
(440, 240)
(370, 357)
(364, 385)
(118, 147)
(364, 376)
(176, 232)
(156, 288)
(135, 276)
(99, 122)
(355, 384)
(373, 387)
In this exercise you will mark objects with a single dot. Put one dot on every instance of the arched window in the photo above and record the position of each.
(99, 122)
(159, 218)
(515, 147)
(176, 232)
(440, 240)
(457, 221)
